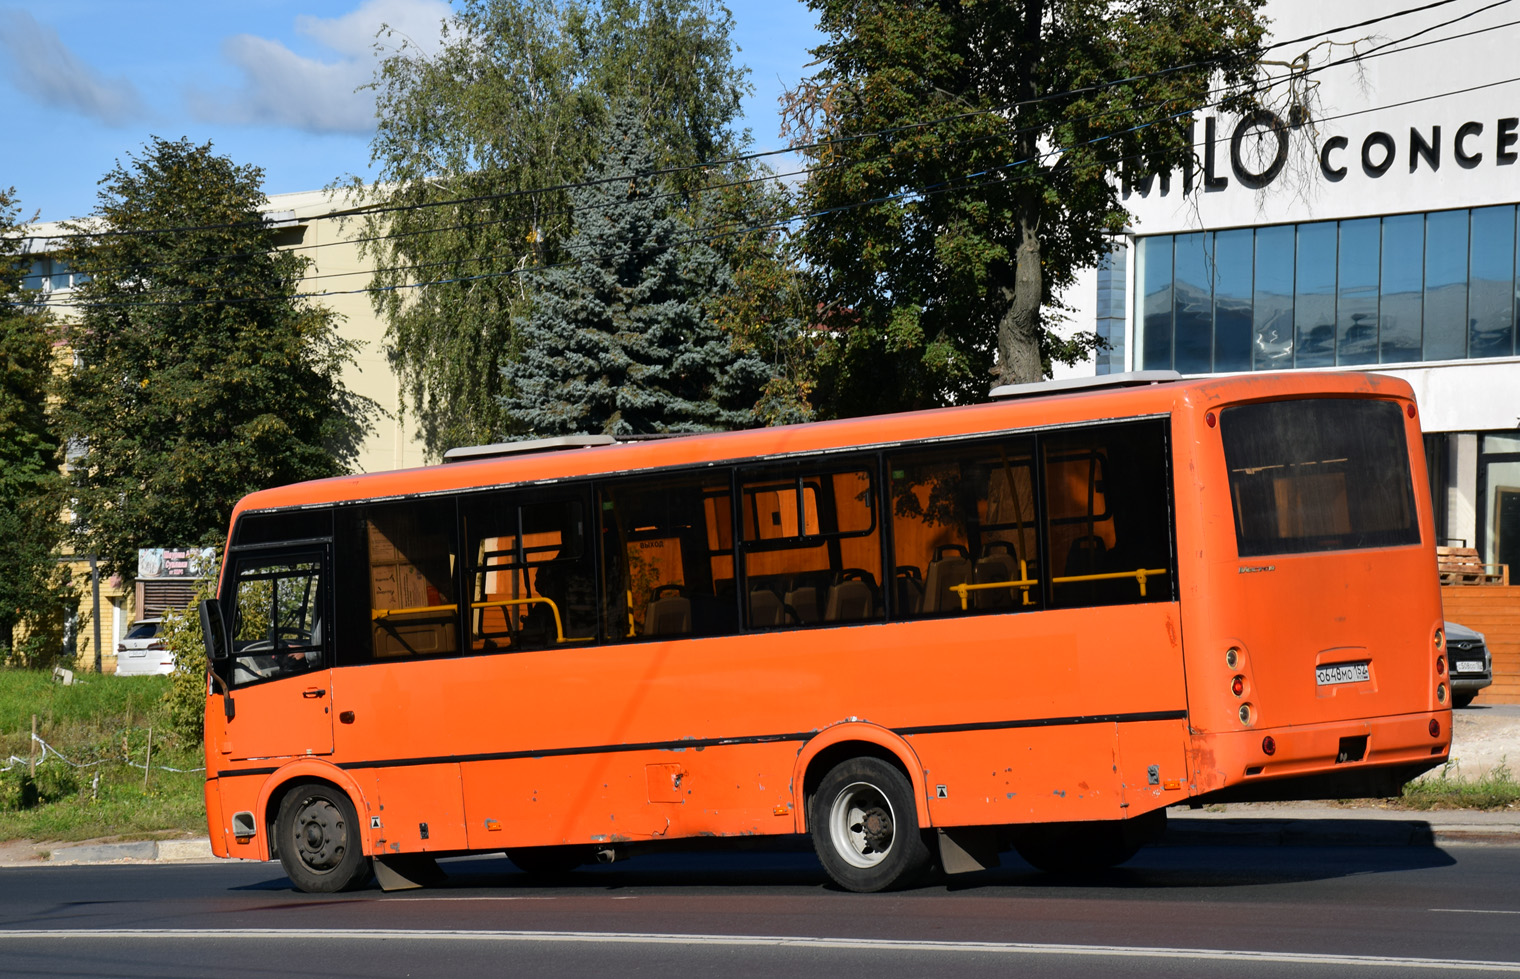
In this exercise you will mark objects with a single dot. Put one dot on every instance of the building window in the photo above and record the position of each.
(51, 275)
(1407, 288)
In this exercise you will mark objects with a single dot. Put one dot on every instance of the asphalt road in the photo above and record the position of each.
(1174, 911)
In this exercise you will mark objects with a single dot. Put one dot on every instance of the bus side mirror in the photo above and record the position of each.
(214, 635)
(213, 630)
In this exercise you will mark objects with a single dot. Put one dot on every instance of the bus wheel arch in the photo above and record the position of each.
(837, 744)
(307, 770)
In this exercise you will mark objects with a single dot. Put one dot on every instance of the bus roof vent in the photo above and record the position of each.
(1065, 384)
(471, 453)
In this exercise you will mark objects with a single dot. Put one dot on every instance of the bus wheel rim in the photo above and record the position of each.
(861, 825)
(320, 835)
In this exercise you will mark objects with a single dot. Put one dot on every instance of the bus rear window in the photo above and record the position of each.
(1318, 475)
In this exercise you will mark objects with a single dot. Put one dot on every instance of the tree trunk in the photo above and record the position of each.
(1019, 328)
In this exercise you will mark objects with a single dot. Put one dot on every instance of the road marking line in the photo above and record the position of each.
(777, 941)
(1470, 911)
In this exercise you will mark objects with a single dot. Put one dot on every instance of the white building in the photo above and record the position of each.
(1380, 234)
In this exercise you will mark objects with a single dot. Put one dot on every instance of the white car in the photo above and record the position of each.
(141, 652)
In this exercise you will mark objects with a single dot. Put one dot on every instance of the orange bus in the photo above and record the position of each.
(1036, 622)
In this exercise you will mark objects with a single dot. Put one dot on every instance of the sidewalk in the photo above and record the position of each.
(1314, 824)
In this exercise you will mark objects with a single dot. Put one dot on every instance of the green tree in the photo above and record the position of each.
(973, 172)
(200, 373)
(620, 340)
(471, 144)
(34, 588)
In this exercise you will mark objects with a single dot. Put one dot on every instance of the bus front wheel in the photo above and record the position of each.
(317, 836)
(865, 828)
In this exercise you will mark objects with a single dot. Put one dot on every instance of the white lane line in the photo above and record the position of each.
(1470, 911)
(776, 941)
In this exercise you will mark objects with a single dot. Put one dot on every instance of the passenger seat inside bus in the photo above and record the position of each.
(765, 608)
(802, 597)
(997, 563)
(909, 582)
(668, 612)
(951, 566)
(852, 598)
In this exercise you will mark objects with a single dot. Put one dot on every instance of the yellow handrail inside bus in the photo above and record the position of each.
(559, 626)
(385, 613)
(1025, 583)
(1139, 574)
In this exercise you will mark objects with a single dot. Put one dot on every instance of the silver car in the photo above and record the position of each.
(141, 651)
(1471, 667)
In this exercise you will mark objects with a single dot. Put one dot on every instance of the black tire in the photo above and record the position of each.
(547, 861)
(1084, 848)
(1462, 699)
(864, 825)
(317, 837)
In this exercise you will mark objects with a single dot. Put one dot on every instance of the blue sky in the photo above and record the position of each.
(269, 82)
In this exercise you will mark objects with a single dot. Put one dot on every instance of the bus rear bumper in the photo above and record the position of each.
(1368, 758)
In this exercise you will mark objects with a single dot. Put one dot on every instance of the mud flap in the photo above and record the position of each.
(965, 849)
(404, 871)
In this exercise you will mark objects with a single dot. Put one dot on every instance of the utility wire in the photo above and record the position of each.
(695, 235)
(1260, 85)
(363, 210)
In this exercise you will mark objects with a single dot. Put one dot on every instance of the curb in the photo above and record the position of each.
(138, 851)
(1333, 831)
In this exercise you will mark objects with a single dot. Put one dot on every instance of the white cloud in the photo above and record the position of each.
(282, 88)
(42, 66)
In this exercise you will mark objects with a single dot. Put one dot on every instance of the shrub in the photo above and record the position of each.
(186, 697)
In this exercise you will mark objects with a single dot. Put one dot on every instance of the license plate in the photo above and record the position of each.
(1469, 666)
(1341, 673)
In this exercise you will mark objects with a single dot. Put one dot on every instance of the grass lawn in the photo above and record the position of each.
(100, 726)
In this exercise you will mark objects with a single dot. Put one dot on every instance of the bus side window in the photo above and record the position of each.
(964, 528)
(401, 558)
(811, 546)
(529, 572)
(1108, 517)
(667, 551)
(277, 619)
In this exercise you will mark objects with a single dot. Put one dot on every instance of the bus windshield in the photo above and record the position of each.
(1323, 474)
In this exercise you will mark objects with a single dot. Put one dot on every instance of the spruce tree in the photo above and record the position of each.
(621, 339)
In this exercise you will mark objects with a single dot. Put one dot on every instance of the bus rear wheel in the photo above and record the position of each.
(317, 836)
(864, 825)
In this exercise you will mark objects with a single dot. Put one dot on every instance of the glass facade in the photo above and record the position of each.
(1401, 289)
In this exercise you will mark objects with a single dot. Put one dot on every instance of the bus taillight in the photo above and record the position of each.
(1269, 745)
(1440, 665)
(1247, 715)
(1435, 728)
(1238, 685)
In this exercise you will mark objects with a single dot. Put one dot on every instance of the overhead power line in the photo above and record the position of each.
(379, 209)
(705, 234)
(1387, 48)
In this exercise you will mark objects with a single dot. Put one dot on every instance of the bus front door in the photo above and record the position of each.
(281, 670)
